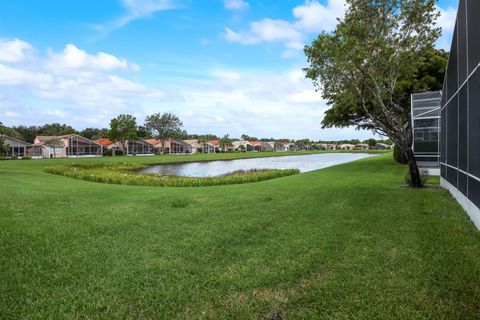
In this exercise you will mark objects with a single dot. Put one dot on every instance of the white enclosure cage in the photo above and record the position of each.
(426, 128)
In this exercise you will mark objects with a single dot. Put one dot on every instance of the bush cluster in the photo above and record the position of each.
(127, 174)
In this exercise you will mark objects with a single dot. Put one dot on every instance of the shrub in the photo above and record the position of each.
(424, 175)
(108, 152)
(399, 156)
(119, 152)
(127, 174)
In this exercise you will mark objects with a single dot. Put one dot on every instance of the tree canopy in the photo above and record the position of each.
(225, 142)
(56, 129)
(367, 67)
(163, 126)
(123, 128)
(94, 133)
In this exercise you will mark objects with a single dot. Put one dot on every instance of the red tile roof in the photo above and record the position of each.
(104, 142)
(255, 143)
(152, 141)
(214, 142)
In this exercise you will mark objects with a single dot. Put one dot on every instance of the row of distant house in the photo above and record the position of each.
(73, 145)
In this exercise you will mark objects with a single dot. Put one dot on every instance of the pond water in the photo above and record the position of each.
(304, 163)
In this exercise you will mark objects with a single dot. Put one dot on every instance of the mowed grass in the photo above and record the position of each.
(349, 241)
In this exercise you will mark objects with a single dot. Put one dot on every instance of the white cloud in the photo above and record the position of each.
(227, 75)
(268, 30)
(311, 17)
(315, 17)
(306, 96)
(142, 8)
(54, 112)
(74, 58)
(135, 10)
(78, 81)
(446, 21)
(236, 4)
(10, 76)
(13, 51)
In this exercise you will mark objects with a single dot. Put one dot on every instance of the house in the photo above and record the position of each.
(321, 146)
(303, 147)
(332, 147)
(177, 146)
(228, 148)
(208, 147)
(280, 147)
(242, 145)
(290, 146)
(139, 147)
(382, 146)
(346, 146)
(17, 148)
(157, 145)
(174, 146)
(325, 146)
(266, 147)
(71, 145)
(215, 144)
(362, 146)
(107, 144)
(195, 145)
(257, 145)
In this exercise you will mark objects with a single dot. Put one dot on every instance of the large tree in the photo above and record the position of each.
(163, 126)
(11, 132)
(94, 133)
(364, 66)
(122, 129)
(28, 133)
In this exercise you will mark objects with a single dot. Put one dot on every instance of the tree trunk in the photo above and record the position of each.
(415, 181)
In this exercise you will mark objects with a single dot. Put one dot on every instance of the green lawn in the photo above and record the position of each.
(345, 242)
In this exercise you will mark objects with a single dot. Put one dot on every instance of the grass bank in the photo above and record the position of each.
(343, 242)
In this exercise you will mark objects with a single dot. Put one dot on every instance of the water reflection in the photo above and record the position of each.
(304, 163)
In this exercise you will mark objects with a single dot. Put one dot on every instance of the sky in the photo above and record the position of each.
(222, 66)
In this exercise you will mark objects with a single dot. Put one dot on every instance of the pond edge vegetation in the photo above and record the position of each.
(128, 174)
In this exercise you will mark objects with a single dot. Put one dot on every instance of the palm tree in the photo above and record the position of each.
(225, 142)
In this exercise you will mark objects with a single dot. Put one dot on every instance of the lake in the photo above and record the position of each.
(304, 163)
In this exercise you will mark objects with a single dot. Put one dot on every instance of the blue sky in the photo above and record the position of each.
(223, 66)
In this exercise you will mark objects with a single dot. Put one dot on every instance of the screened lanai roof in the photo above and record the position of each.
(12, 141)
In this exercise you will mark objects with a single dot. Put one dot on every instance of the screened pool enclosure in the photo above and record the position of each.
(78, 146)
(426, 128)
(139, 147)
(15, 147)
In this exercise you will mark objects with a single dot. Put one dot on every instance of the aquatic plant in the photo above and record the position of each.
(128, 174)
